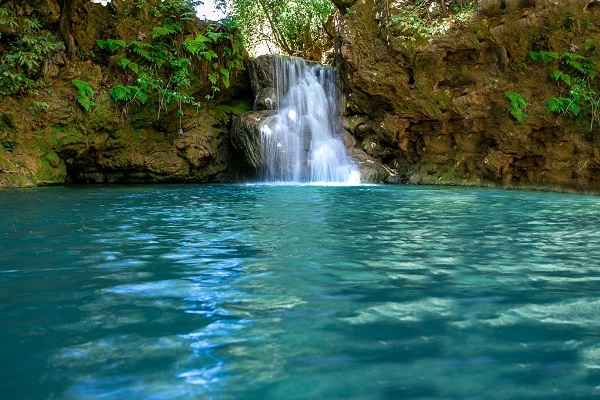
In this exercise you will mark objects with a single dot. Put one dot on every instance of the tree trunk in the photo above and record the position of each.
(67, 12)
(444, 8)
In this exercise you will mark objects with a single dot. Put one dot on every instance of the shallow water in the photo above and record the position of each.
(298, 292)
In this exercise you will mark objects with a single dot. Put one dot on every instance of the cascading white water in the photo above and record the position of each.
(301, 143)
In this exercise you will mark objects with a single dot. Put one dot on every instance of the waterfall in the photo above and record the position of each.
(301, 143)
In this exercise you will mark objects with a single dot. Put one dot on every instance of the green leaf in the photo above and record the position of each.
(84, 94)
(214, 36)
(196, 45)
(517, 106)
(111, 45)
(555, 105)
(134, 67)
(83, 87)
(574, 108)
(209, 55)
(518, 114)
(225, 73)
(120, 93)
(123, 63)
(142, 49)
(141, 96)
(165, 30)
(86, 103)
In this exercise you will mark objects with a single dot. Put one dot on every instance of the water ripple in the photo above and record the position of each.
(296, 292)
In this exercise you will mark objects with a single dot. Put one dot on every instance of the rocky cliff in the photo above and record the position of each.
(49, 138)
(437, 111)
(470, 105)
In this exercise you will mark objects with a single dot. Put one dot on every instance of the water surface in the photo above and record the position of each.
(298, 292)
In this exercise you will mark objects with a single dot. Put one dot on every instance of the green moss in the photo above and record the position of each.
(63, 136)
(236, 108)
(47, 173)
(52, 159)
(447, 175)
(117, 159)
(443, 99)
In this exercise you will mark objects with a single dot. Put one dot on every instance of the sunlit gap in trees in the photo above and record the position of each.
(216, 10)
(209, 10)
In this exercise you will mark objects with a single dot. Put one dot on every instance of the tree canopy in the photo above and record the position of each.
(296, 27)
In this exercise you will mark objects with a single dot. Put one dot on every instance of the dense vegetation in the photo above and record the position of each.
(295, 27)
(22, 64)
(165, 63)
(82, 84)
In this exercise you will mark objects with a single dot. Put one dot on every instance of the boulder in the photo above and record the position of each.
(491, 8)
(245, 135)
(266, 99)
(262, 73)
(371, 170)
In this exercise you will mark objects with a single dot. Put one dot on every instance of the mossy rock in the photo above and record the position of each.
(48, 173)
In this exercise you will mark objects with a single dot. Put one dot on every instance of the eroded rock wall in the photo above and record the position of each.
(47, 138)
(436, 110)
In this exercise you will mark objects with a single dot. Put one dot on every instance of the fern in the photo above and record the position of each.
(208, 55)
(134, 67)
(516, 99)
(556, 104)
(170, 62)
(124, 63)
(543, 56)
(216, 36)
(181, 65)
(141, 49)
(561, 105)
(196, 45)
(128, 93)
(84, 94)
(139, 95)
(225, 77)
(120, 93)
(111, 45)
(557, 75)
(213, 78)
(165, 30)
(517, 106)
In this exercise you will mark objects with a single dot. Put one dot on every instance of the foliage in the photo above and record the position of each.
(8, 146)
(110, 45)
(168, 62)
(517, 106)
(575, 75)
(543, 56)
(21, 65)
(84, 94)
(296, 27)
(422, 19)
(128, 93)
(39, 106)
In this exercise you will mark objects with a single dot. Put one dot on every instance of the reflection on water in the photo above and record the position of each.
(233, 292)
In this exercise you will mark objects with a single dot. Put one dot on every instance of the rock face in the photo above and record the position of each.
(435, 111)
(47, 138)
(246, 135)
